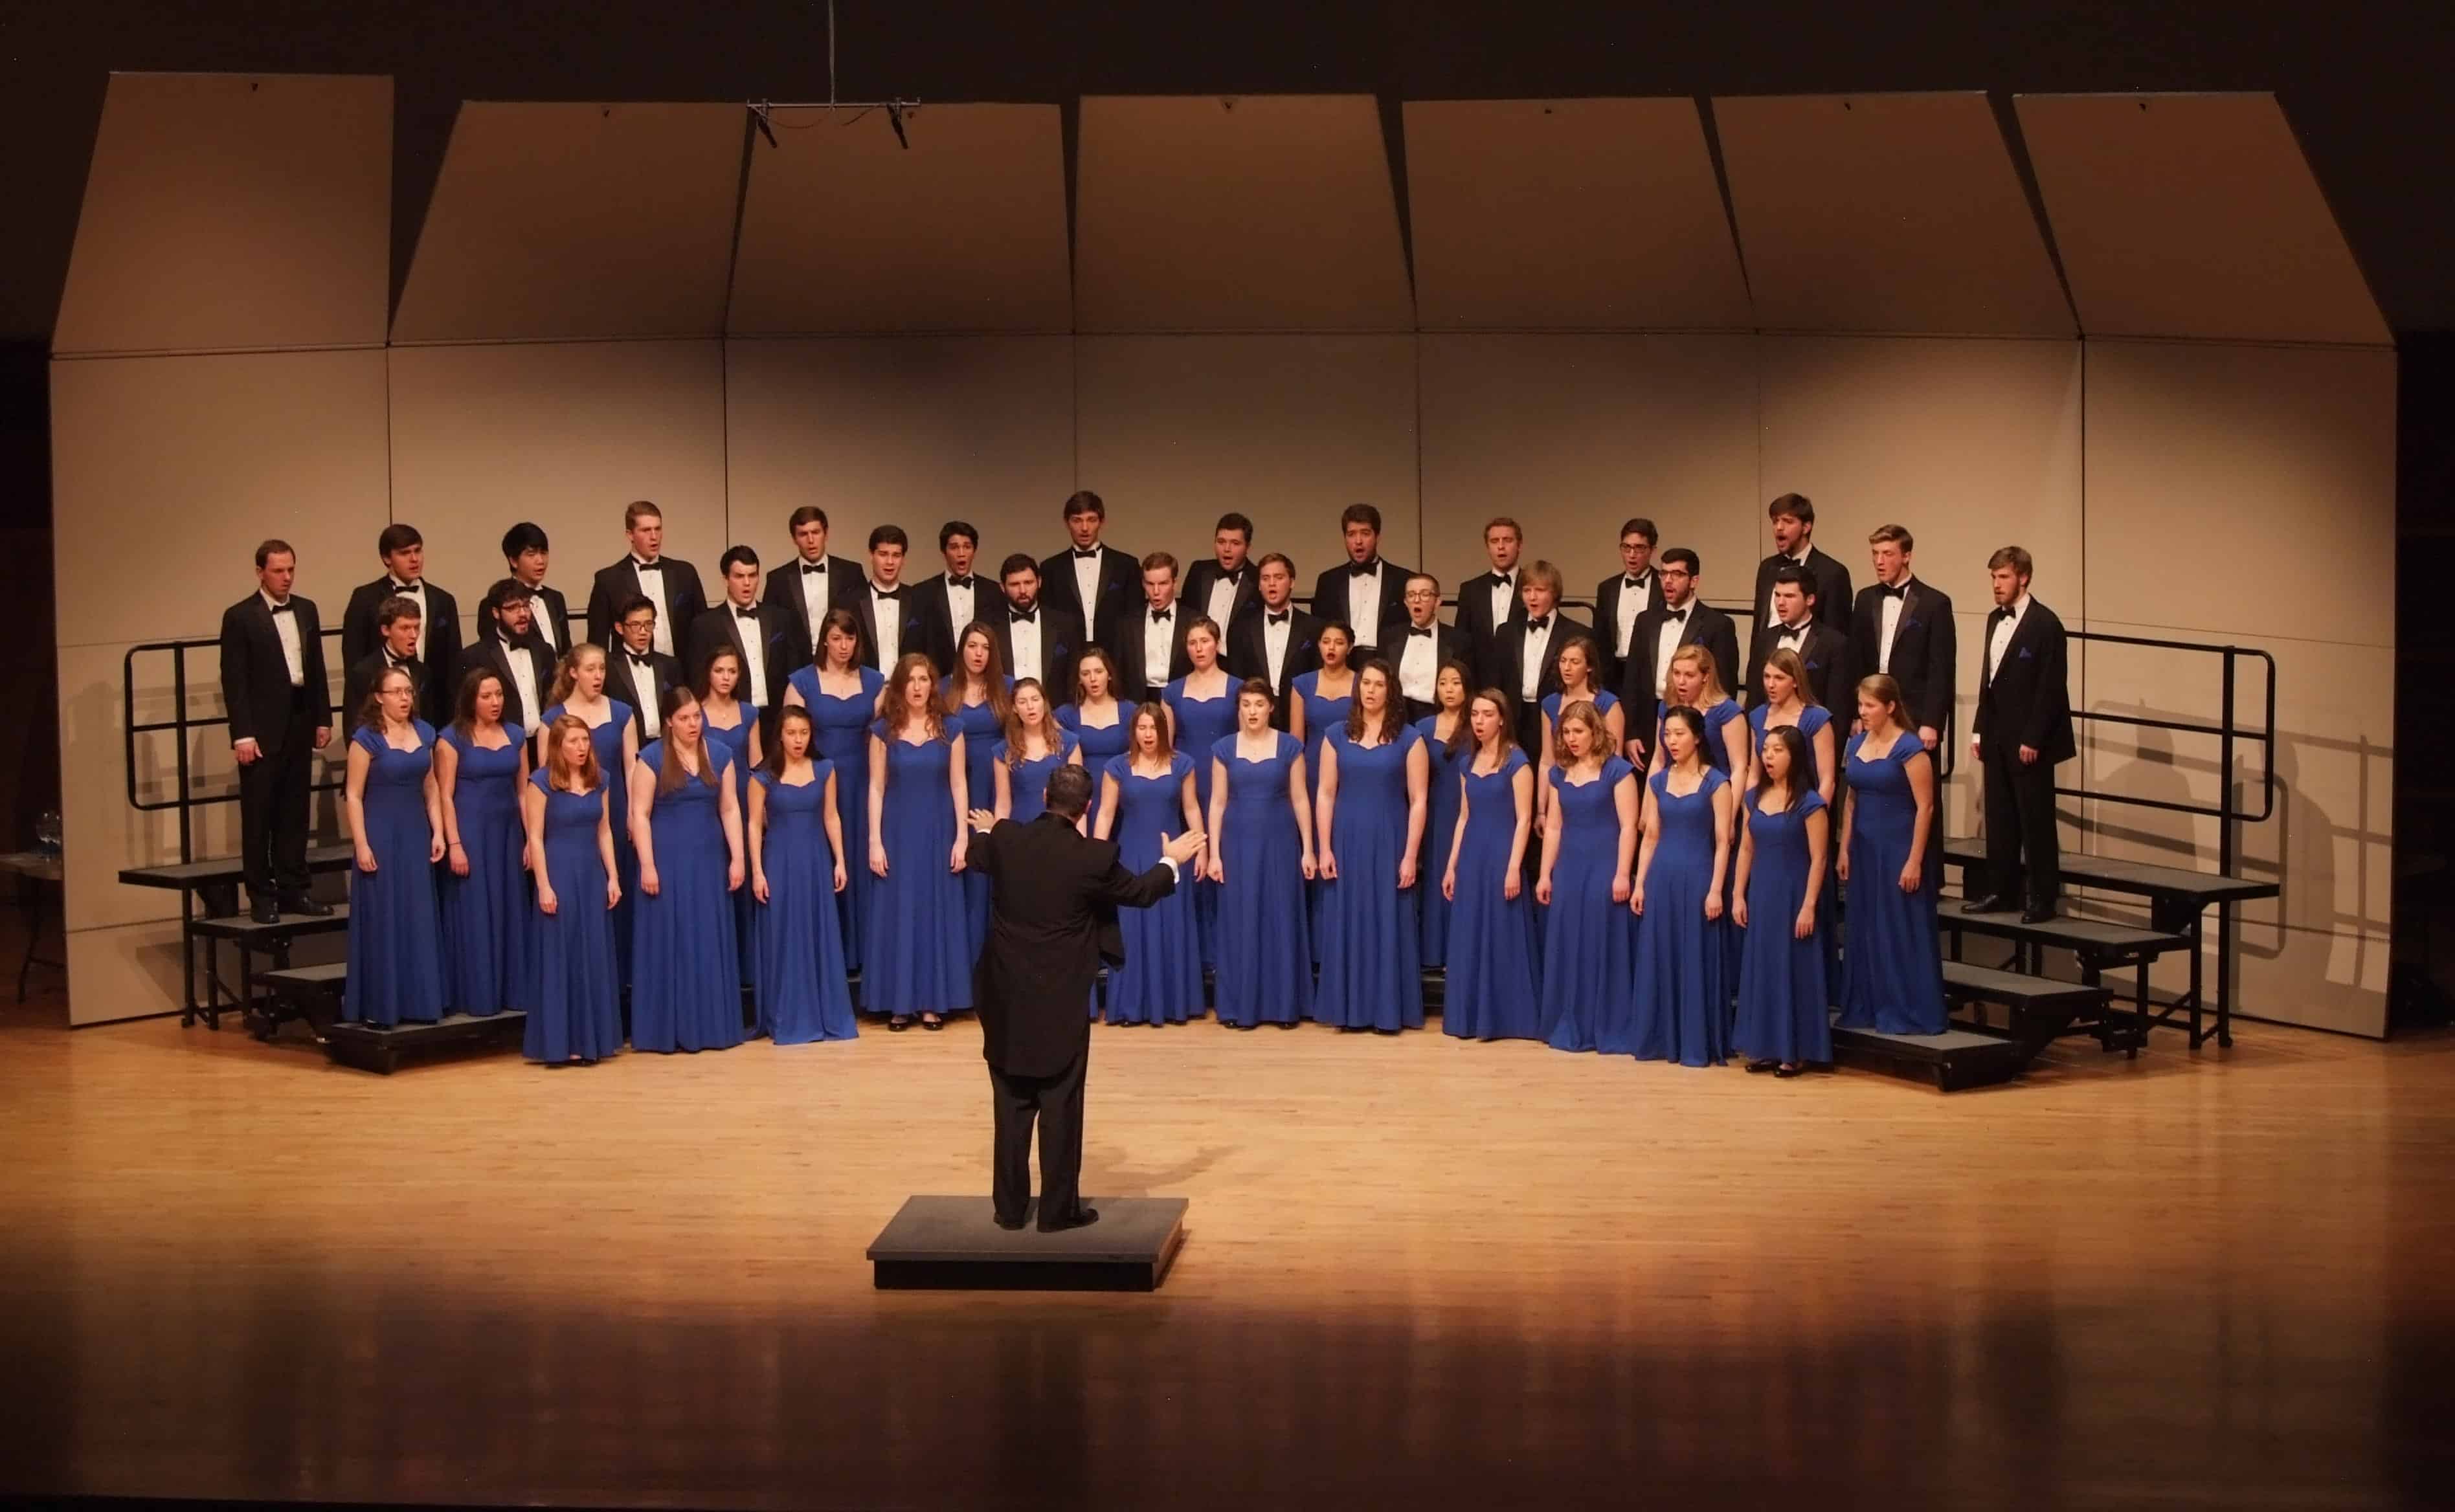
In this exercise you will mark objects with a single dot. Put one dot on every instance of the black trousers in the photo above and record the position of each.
(1056, 1102)
(272, 806)
(2023, 855)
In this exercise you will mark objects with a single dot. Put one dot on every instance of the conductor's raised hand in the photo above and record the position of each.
(983, 819)
(1184, 848)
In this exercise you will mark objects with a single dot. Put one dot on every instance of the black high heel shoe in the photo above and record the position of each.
(898, 1024)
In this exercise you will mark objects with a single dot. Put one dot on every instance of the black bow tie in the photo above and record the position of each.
(1237, 577)
(647, 566)
(391, 661)
(1160, 615)
(282, 608)
(404, 587)
(1891, 591)
(1025, 616)
(814, 568)
(953, 581)
(1635, 584)
(1419, 630)
(1794, 632)
(1279, 619)
(1677, 616)
(1363, 568)
(739, 612)
(876, 592)
(643, 663)
(1538, 622)
(1085, 553)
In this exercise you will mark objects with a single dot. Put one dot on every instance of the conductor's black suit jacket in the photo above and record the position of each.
(1052, 918)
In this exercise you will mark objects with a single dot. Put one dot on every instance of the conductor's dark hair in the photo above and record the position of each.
(736, 556)
(1682, 557)
(1360, 515)
(524, 536)
(1797, 506)
(267, 550)
(1017, 562)
(890, 536)
(1084, 502)
(962, 527)
(1069, 790)
(398, 536)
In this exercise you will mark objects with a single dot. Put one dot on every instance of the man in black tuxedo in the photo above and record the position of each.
(438, 637)
(1281, 643)
(279, 701)
(1903, 628)
(396, 635)
(892, 623)
(667, 582)
(1226, 588)
(1154, 653)
(1490, 600)
(1680, 620)
(951, 600)
(636, 671)
(525, 557)
(509, 648)
(1825, 649)
(1096, 583)
(814, 583)
(1052, 919)
(1364, 594)
(1530, 651)
(1793, 543)
(1035, 639)
(760, 634)
(1424, 647)
(1625, 595)
(2023, 730)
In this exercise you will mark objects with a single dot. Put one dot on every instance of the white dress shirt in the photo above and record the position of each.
(1999, 645)
(1419, 664)
(524, 683)
(1275, 625)
(813, 593)
(753, 636)
(1022, 637)
(1538, 644)
(642, 683)
(1632, 602)
(1363, 602)
(1222, 597)
(542, 616)
(286, 627)
(1888, 625)
(1086, 580)
(651, 578)
(416, 594)
(959, 601)
(1504, 593)
(886, 615)
(1667, 646)
(1159, 640)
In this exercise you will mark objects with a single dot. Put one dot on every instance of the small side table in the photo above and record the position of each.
(36, 868)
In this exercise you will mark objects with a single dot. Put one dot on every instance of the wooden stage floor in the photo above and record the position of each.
(1420, 1273)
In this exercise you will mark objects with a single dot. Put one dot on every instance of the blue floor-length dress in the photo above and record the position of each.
(840, 736)
(1588, 940)
(1785, 1012)
(1103, 744)
(1683, 998)
(685, 968)
(1714, 753)
(1492, 988)
(1201, 723)
(1325, 719)
(607, 739)
(1812, 717)
(486, 912)
(1264, 971)
(1892, 976)
(1440, 832)
(798, 951)
(575, 1000)
(1160, 982)
(979, 726)
(396, 963)
(737, 742)
(1372, 965)
(918, 959)
(1026, 782)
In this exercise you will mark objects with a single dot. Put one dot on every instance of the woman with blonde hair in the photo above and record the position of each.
(614, 733)
(575, 998)
(918, 959)
(1589, 849)
(1892, 976)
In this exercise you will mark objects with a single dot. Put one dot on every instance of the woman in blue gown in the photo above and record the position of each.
(1492, 988)
(1683, 1002)
(1369, 815)
(977, 696)
(797, 869)
(1318, 711)
(1785, 1021)
(1580, 666)
(732, 721)
(1261, 851)
(478, 768)
(1095, 716)
(685, 968)
(1696, 682)
(1589, 852)
(1789, 699)
(396, 963)
(575, 1000)
(841, 696)
(918, 959)
(1449, 745)
(1201, 711)
(1032, 745)
(1147, 796)
(1892, 977)
(579, 690)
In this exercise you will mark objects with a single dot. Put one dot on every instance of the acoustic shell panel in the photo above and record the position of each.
(573, 221)
(1897, 214)
(846, 229)
(2193, 215)
(1258, 212)
(232, 212)
(1568, 214)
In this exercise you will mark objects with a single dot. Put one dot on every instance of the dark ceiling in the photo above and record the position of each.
(2367, 86)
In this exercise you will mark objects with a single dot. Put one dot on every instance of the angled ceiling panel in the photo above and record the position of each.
(1568, 214)
(1886, 213)
(845, 230)
(1256, 212)
(577, 221)
(2194, 216)
(228, 212)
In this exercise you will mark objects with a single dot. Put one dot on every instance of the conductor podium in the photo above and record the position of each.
(953, 1244)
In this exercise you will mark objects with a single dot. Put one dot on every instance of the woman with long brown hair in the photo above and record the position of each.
(1492, 989)
(1589, 854)
(1784, 1020)
(1683, 992)
(1449, 744)
(614, 733)
(796, 870)
(395, 972)
(685, 966)
(1032, 746)
(841, 696)
(1202, 712)
(1892, 976)
(1368, 814)
(1146, 799)
(1092, 711)
(1261, 855)
(480, 763)
(575, 998)
(916, 959)
(978, 695)
(728, 718)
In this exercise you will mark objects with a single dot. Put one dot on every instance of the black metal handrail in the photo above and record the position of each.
(183, 798)
(2227, 730)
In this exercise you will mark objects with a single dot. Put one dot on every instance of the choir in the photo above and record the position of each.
(620, 833)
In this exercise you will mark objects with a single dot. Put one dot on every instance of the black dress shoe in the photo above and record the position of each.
(1764, 1066)
(1010, 1225)
(2037, 913)
(1989, 904)
(301, 903)
(1083, 1218)
(898, 1024)
(264, 911)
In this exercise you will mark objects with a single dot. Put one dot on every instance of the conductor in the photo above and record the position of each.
(1052, 918)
